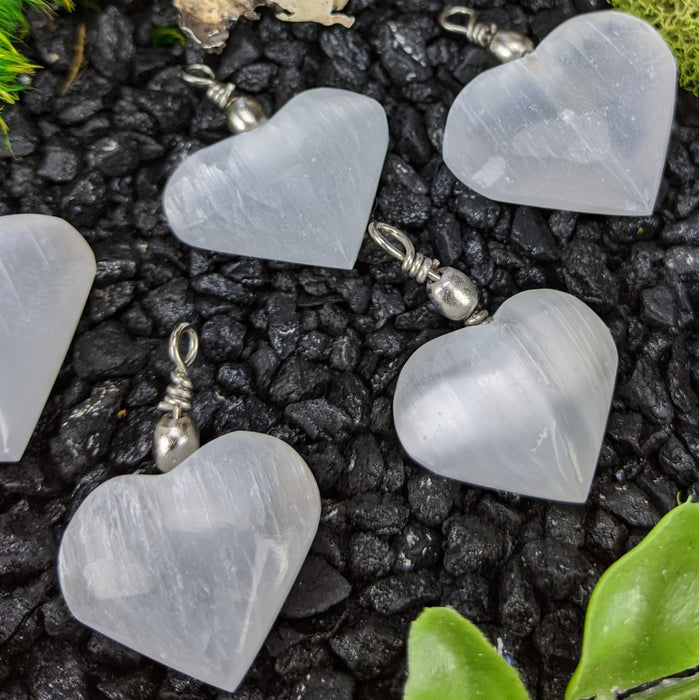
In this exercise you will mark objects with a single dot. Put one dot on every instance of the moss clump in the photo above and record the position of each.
(13, 28)
(678, 22)
(166, 36)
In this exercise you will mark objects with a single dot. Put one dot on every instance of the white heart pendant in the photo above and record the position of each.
(582, 123)
(519, 404)
(46, 271)
(298, 188)
(192, 567)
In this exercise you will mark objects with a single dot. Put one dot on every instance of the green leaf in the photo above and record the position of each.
(642, 621)
(450, 659)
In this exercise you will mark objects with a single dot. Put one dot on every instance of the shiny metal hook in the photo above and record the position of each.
(243, 113)
(450, 290)
(176, 436)
(414, 264)
(504, 44)
(178, 396)
(474, 31)
(192, 346)
(188, 74)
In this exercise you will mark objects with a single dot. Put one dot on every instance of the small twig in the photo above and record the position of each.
(78, 58)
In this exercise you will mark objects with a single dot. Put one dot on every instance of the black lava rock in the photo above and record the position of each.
(553, 567)
(431, 497)
(396, 594)
(318, 588)
(471, 544)
(26, 543)
(370, 648)
(111, 46)
(106, 352)
(519, 609)
(323, 685)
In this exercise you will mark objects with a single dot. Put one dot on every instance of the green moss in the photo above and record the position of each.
(166, 36)
(13, 28)
(678, 22)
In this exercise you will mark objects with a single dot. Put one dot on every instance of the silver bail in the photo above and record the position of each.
(504, 44)
(243, 113)
(450, 290)
(176, 436)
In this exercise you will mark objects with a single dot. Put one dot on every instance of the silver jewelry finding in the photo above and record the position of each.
(449, 289)
(176, 436)
(243, 113)
(504, 44)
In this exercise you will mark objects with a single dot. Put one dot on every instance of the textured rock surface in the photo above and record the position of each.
(582, 123)
(192, 567)
(312, 356)
(518, 404)
(299, 188)
(46, 271)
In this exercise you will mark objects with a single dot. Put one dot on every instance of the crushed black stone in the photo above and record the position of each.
(312, 356)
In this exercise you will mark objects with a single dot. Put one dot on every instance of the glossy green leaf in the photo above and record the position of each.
(642, 621)
(450, 659)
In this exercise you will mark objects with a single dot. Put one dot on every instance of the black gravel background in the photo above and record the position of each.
(312, 355)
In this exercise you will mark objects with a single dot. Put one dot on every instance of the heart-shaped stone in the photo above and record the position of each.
(518, 404)
(582, 123)
(192, 567)
(46, 271)
(298, 188)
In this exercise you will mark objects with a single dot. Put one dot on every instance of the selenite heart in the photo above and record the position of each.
(46, 271)
(192, 567)
(519, 404)
(582, 123)
(299, 188)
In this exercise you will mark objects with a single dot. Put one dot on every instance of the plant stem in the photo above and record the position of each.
(671, 689)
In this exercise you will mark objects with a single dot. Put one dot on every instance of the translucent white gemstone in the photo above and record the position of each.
(519, 404)
(299, 188)
(192, 567)
(46, 271)
(582, 123)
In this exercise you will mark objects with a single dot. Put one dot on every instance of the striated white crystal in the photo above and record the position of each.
(582, 123)
(46, 271)
(298, 188)
(519, 404)
(192, 567)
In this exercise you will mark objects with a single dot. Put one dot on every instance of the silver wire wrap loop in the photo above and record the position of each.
(189, 75)
(451, 292)
(178, 396)
(504, 44)
(417, 265)
(476, 32)
(219, 93)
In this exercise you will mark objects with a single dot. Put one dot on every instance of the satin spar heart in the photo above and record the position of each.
(582, 123)
(46, 271)
(519, 404)
(192, 567)
(298, 188)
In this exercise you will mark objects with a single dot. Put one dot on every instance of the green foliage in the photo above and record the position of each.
(13, 28)
(450, 659)
(641, 628)
(678, 22)
(642, 621)
(166, 36)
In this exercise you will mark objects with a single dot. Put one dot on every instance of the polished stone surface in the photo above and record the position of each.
(46, 271)
(299, 188)
(519, 404)
(582, 123)
(192, 567)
